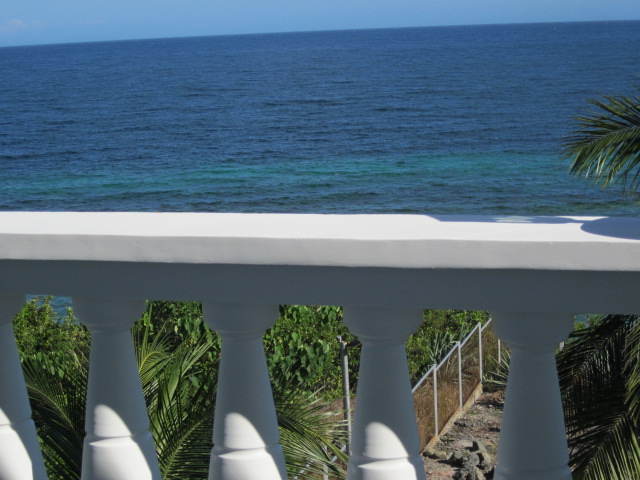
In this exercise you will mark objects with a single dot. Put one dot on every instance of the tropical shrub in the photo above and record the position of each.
(44, 336)
(302, 347)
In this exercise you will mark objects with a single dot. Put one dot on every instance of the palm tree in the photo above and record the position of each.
(600, 369)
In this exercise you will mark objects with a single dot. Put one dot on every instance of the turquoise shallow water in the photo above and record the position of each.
(425, 120)
(531, 184)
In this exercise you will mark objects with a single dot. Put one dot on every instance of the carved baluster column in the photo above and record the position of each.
(118, 445)
(533, 442)
(245, 430)
(20, 456)
(385, 443)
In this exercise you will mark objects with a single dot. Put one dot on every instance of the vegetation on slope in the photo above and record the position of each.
(178, 363)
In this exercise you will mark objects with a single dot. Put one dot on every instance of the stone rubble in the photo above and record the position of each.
(468, 450)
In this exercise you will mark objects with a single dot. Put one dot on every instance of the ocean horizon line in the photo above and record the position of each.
(315, 31)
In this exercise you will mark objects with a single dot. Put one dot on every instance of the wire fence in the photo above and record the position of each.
(444, 391)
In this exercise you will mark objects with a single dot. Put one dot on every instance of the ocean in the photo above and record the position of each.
(438, 120)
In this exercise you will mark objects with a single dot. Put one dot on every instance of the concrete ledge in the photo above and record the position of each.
(510, 264)
(388, 241)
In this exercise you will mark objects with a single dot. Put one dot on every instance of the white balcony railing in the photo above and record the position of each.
(532, 273)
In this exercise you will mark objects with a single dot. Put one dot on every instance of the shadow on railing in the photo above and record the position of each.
(450, 386)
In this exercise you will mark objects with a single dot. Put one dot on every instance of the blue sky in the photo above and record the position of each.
(25, 22)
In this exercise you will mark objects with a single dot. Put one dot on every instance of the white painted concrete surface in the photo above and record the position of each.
(396, 241)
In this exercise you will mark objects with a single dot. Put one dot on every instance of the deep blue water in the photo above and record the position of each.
(423, 120)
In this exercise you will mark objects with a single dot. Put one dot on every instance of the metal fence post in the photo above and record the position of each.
(435, 398)
(460, 373)
(346, 394)
(480, 348)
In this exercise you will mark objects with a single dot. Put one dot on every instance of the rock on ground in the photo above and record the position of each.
(468, 450)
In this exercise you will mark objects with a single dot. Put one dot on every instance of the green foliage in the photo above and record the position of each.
(178, 363)
(305, 424)
(607, 144)
(177, 360)
(497, 372)
(439, 331)
(599, 372)
(58, 406)
(180, 397)
(302, 348)
(54, 353)
(599, 368)
(43, 337)
(178, 323)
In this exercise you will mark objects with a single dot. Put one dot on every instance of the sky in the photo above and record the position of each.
(28, 22)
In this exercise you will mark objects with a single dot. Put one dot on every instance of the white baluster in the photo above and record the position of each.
(20, 456)
(533, 442)
(118, 445)
(385, 443)
(245, 430)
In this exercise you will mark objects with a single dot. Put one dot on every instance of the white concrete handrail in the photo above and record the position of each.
(533, 273)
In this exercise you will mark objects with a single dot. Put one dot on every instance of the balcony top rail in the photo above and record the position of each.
(482, 262)
(395, 241)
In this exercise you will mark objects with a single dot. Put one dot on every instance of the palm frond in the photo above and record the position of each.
(616, 456)
(152, 351)
(593, 375)
(182, 425)
(311, 433)
(607, 144)
(632, 371)
(180, 410)
(58, 405)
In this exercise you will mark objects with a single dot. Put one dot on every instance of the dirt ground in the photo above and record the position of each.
(468, 450)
